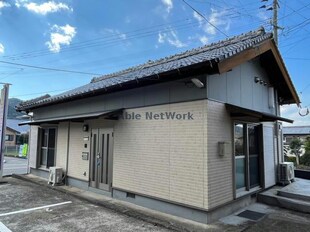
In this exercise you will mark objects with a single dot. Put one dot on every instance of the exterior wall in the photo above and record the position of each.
(163, 158)
(237, 87)
(77, 166)
(33, 147)
(8, 131)
(62, 145)
(220, 169)
(176, 91)
(269, 149)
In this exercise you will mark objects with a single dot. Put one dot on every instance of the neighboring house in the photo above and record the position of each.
(292, 132)
(14, 131)
(301, 132)
(116, 135)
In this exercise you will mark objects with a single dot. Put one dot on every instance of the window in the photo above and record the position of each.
(47, 146)
(9, 137)
(247, 153)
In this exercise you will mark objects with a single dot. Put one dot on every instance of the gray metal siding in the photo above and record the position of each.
(233, 86)
(237, 87)
(176, 91)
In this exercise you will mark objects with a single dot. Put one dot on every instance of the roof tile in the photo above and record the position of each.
(215, 51)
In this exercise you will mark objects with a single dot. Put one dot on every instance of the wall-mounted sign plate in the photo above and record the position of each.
(84, 155)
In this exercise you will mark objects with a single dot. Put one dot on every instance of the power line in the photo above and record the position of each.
(201, 15)
(13, 73)
(30, 94)
(49, 69)
(115, 38)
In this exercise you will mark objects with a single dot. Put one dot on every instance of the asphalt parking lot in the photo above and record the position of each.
(25, 206)
(20, 210)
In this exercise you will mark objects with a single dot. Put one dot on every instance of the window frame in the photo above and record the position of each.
(8, 136)
(247, 189)
(39, 147)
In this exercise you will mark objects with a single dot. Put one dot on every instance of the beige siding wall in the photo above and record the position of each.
(220, 173)
(163, 158)
(62, 145)
(33, 146)
(77, 166)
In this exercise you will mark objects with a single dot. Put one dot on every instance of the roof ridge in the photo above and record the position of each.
(215, 51)
(197, 50)
(27, 102)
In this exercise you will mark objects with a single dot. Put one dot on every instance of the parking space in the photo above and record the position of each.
(30, 207)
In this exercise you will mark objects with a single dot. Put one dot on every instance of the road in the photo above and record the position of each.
(14, 165)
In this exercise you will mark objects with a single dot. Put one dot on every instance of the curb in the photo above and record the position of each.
(151, 216)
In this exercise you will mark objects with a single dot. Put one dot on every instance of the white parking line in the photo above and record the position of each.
(36, 208)
(3, 228)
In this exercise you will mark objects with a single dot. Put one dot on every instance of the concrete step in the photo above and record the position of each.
(294, 195)
(270, 197)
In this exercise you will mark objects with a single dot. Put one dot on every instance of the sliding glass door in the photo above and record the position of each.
(240, 156)
(247, 156)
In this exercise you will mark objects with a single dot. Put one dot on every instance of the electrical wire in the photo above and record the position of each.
(201, 15)
(107, 40)
(50, 69)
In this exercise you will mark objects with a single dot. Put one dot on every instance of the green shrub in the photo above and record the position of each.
(305, 159)
(290, 159)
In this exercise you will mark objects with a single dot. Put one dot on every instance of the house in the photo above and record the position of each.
(195, 134)
(292, 132)
(14, 131)
(301, 132)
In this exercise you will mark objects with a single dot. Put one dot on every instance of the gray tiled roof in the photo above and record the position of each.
(296, 130)
(13, 124)
(213, 52)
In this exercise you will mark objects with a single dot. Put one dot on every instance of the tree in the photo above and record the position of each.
(295, 147)
(307, 145)
(305, 159)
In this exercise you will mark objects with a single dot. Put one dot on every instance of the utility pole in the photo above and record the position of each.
(275, 21)
(4, 98)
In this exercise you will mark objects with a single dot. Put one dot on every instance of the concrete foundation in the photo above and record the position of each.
(198, 215)
(172, 208)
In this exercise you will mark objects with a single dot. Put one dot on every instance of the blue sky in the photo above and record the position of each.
(98, 37)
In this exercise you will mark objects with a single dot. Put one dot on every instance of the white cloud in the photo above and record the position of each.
(19, 3)
(168, 4)
(204, 39)
(170, 37)
(262, 15)
(161, 38)
(4, 4)
(292, 112)
(216, 18)
(60, 35)
(44, 8)
(198, 17)
(1, 48)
